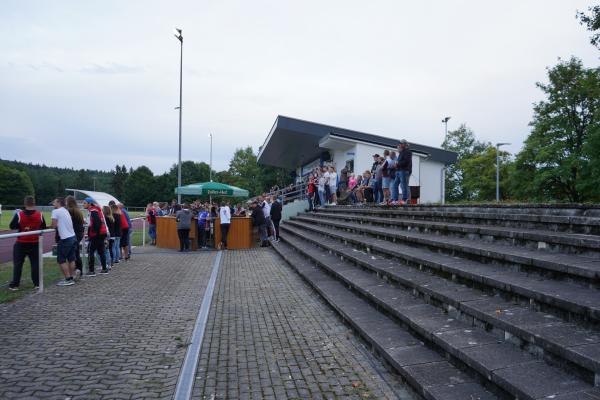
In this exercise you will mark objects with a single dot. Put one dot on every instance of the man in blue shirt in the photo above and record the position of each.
(203, 227)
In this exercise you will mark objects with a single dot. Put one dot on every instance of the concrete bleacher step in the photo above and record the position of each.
(427, 372)
(584, 223)
(574, 243)
(568, 298)
(509, 370)
(586, 269)
(562, 343)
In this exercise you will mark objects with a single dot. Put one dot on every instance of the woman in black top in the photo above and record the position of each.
(79, 228)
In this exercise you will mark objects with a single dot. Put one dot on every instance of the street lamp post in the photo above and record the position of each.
(445, 122)
(179, 36)
(210, 166)
(498, 170)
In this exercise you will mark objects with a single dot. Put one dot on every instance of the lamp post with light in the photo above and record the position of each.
(179, 35)
(498, 170)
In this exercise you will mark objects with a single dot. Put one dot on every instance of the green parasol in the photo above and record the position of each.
(211, 189)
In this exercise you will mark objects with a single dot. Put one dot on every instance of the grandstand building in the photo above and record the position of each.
(302, 145)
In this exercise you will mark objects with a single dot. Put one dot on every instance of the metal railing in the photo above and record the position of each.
(40, 233)
(289, 194)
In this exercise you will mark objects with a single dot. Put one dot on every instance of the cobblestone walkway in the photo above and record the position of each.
(270, 336)
(120, 336)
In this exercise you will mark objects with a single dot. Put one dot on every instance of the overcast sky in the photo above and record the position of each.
(88, 84)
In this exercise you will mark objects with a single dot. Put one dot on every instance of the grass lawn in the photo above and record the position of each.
(51, 275)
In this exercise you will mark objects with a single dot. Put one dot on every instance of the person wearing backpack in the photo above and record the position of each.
(26, 220)
(97, 234)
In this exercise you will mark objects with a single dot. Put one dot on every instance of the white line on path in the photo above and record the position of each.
(185, 382)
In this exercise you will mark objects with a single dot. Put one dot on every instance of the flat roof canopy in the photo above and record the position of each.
(294, 142)
(101, 198)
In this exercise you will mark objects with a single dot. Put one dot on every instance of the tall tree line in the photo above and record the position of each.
(135, 187)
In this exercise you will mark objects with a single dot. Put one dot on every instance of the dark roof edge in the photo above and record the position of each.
(436, 153)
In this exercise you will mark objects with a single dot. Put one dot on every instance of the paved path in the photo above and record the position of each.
(269, 336)
(120, 336)
(124, 336)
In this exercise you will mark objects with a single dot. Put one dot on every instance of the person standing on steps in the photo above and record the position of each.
(26, 220)
(276, 216)
(184, 224)
(404, 168)
(67, 241)
(225, 217)
(97, 233)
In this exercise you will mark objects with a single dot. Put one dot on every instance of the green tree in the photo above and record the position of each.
(83, 180)
(139, 187)
(119, 177)
(245, 172)
(463, 142)
(561, 150)
(592, 22)
(479, 179)
(14, 186)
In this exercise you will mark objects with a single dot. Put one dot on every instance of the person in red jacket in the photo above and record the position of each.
(26, 246)
(97, 233)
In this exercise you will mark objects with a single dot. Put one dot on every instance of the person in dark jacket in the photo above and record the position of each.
(404, 168)
(276, 216)
(26, 246)
(79, 228)
(259, 220)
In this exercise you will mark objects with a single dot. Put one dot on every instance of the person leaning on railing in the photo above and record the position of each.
(27, 220)
(79, 228)
(66, 240)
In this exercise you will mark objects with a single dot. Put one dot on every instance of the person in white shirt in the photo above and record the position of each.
(266, 208)
(225, 217)
(67, 241)
(332, 183)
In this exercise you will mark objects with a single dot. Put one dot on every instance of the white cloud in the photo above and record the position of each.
(108, 72)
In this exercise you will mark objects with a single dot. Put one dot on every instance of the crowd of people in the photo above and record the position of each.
(386, 183)
(108, 238)
(265, 212)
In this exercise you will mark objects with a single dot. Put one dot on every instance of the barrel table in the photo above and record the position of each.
(240, 234)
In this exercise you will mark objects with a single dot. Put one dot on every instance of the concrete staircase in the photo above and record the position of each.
(464, 302)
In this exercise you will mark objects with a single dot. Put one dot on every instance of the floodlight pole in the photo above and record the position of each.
(498, 170)
(179, 37)
(210, 166)
(445, 122)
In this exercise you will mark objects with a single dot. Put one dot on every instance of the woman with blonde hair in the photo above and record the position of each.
(78, 226)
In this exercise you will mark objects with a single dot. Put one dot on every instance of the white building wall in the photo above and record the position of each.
(340, 156)
(431, 189)
(426, 173)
